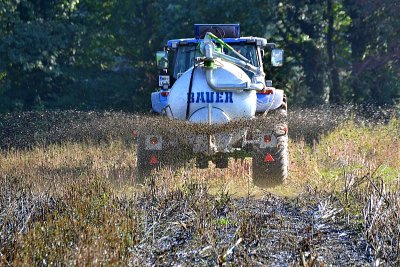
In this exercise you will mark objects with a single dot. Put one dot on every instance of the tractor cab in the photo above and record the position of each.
(179, 55)
(185, 52)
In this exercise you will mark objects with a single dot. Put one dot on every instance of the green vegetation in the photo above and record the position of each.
(100, 55)
(351, 150)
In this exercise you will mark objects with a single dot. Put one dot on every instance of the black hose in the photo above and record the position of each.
(190, 87)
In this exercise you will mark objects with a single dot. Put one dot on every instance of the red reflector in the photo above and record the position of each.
(164, 93)
(153, 159)
(153, 140)
(266, 92)
(267, 138)
(268, 158)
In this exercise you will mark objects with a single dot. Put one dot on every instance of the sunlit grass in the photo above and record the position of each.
(350, 150)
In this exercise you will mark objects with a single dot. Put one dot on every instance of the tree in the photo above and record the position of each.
(334, 92)
(373, 36)
(37, 42)
(301, 25)
(100, 54)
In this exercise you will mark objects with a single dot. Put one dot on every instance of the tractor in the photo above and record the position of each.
(213, 102)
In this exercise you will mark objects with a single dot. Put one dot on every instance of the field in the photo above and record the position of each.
(68, 197)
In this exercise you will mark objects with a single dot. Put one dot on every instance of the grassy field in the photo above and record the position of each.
(75, 203)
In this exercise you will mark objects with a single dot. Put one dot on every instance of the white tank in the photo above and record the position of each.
(208, 105)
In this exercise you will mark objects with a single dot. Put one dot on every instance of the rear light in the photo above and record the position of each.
(153, 140)
(268, 158)
(267, 138)
(153, 159)
(165, 93)
(266, 91)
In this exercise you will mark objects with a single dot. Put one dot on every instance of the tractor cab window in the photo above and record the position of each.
(184, 59)
(185, 56)
(249, 51)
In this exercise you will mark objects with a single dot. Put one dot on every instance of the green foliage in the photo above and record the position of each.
(37, 44)
(347, 157)
(79, 54)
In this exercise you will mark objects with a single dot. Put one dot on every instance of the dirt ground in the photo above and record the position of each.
(266, 231)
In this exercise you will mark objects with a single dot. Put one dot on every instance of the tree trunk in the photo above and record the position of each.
(334, 93)
(358, 38)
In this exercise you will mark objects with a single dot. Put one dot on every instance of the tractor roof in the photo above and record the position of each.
(255, 40)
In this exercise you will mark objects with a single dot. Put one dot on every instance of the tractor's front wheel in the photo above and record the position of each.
(270, 165)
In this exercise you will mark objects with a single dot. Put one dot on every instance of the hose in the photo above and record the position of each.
(190, 87)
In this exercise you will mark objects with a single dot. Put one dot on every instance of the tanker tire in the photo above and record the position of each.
(201, 163)
(144, 168)
(222, 161)
(273, 173)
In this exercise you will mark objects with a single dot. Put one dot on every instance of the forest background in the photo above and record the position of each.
(100, 55)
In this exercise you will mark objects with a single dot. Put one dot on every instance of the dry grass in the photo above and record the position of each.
(360, 166)
(75, 203)
(351, 150)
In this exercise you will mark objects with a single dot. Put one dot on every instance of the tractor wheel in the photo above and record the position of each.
(270, 165)
(147, 161)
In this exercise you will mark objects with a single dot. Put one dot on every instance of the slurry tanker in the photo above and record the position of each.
(214, 103)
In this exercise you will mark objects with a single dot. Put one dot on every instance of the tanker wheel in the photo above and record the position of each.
(147, 160)
(221, 161)
(270, 165)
